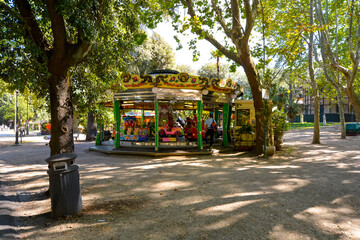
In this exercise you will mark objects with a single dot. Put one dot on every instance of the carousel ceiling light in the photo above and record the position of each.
(155, 90)
(205, 92)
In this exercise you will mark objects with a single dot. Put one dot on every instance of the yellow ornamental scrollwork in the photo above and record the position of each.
(146, 78)
(125, 77)
(183, 77)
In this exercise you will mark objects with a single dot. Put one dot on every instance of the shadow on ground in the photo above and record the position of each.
(307, 191)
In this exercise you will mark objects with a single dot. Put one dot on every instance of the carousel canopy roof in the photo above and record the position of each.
(172, 80)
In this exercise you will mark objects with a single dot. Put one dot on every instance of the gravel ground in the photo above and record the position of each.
(305, 191)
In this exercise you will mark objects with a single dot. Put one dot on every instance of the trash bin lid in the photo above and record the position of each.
(61, 157)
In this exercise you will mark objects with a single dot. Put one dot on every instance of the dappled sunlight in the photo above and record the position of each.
(36, 208)
(98, 168)
(303, 192)
(245, 194)
(329, 218)
(98, 177)
(228, 207)
(27, 174)
(226, 222)
(25, 168)
(169, 185)
(65, 227)
(278, 167)
(193, 199)
(287, 185)
(169, 164)
(281, 232)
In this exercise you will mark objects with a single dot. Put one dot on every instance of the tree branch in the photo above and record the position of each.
(57, 26)
(221, 19)
(236, 25)
(79, 51)
(349, 40)
(11, 11)
(325, 43)
(251, 12)
(210, 38)
(31, 25)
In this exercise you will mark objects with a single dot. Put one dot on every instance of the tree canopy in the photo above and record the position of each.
(42, 42)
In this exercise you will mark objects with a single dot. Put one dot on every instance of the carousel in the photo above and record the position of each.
(166, 109)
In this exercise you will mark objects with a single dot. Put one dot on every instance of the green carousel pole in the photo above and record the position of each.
(156, 126)
(117, 123)
(217, 121)
(199, 118)
(98, 134)
(102, 132)
(225, 124)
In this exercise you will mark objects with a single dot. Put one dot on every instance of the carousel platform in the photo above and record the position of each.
(141, 150)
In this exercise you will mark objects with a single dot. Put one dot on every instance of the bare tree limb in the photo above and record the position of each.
(221, 19)
(251, 12)
(210, 38)
(349, 40)
(325, 42)
(236, 25)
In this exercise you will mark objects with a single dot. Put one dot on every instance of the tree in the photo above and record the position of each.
(349, 54)
(153, 54)
(33, 110)
(185, 69)
(43, 40)
(331, 76)
(212, 70)
(316, 136)
(236, 22)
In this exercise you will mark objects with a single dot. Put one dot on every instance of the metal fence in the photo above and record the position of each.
(330, 117)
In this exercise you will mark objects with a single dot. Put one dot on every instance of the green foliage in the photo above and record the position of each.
(112, 27)
(247, 128)
(28, 106)
(186, 69)
(280, 125)
(153, 54)
(292, 109)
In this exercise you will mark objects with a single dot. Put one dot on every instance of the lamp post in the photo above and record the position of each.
(27, 116)
(16, 118)
(265, 95)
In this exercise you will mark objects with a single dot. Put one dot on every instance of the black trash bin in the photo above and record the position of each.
(64, 185)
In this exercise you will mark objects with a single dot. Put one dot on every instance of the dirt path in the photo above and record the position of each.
(304, 192)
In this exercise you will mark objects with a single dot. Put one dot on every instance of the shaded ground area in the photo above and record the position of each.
(304, 192)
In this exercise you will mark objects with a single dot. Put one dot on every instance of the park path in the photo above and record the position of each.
(304, 192)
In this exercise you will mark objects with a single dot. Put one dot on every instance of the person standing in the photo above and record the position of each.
(210, 129)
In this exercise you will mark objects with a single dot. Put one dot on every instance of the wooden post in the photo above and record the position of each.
(225, 124)
(199, 119)
(117, 123)
(156, 125)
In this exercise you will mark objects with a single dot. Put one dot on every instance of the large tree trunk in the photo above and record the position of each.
(316, 137)
(251, 73)
(61, 113)
(91, 127)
